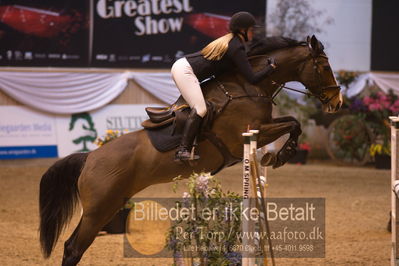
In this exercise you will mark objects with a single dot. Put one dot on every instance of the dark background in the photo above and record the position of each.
(110, 36)
(116, 36)
(71, 40)
(385, 35)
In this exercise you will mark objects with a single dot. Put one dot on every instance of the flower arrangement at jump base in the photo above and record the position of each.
(211, 237)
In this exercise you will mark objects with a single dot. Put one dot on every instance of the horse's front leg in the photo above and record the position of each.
(271, 132)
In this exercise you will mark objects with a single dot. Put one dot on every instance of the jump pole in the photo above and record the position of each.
(259, 183)
(263, 170)
(394, 198)
(255, 195)
(250, 170)
(247, 260)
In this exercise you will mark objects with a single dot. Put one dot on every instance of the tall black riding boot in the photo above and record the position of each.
(191, 128)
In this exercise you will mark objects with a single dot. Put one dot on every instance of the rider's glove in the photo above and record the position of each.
(272, 62)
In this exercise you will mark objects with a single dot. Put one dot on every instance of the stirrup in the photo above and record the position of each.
(185, 155)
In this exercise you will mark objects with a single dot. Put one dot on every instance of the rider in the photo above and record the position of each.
(223, 54)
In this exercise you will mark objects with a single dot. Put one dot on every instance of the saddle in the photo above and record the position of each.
(165, 127)
(163, 116)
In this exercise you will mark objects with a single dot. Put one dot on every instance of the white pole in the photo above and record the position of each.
(394, 177)
(254, 147)
(246, 169)
(260, 192)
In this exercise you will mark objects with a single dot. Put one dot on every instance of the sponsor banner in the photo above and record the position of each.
(44, 33)
(24, 152)
(144, 33)
(111, 33)
(25, 133)
(77, 132)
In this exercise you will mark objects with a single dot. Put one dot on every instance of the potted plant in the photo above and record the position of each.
(382, 156)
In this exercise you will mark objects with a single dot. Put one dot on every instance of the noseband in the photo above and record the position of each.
(322, 96)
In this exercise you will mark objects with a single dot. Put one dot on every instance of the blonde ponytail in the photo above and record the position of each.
(216, 49)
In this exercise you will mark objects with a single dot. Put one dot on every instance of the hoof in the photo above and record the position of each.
(268, 159)
(278, 164)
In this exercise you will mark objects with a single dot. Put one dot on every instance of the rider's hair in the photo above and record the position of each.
(216, 49)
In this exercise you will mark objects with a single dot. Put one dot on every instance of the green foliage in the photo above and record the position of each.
(215, 225)
(346, 77)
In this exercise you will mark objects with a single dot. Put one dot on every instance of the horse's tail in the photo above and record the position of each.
(58, 198)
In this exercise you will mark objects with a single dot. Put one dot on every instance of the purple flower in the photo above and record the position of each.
(202, 183)
(357, 105)
(234, 258)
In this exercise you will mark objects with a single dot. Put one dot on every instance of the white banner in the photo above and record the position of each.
(78, 131)
(25, 133)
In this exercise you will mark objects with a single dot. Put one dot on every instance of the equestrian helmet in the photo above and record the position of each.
(241, 20)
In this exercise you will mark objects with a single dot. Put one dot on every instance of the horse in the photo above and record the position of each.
(103, 179)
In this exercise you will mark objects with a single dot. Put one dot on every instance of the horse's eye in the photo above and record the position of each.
(327, 68)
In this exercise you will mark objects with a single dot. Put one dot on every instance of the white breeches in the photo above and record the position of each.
(189, 86)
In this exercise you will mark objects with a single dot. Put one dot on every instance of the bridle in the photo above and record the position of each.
(322, 96)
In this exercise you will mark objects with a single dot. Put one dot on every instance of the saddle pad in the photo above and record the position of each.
(162, 138)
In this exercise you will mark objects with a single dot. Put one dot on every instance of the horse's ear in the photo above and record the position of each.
(314, 43)
(317, 47)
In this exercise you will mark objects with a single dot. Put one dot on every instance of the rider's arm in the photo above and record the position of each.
(240, 60)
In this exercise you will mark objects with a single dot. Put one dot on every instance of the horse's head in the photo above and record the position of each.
(305, 62)
(316, 74)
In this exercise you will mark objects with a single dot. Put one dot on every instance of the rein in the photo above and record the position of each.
(323, 98)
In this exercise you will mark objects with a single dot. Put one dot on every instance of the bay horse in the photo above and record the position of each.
(103, 179)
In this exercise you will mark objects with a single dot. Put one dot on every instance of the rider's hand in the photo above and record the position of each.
(272, 62)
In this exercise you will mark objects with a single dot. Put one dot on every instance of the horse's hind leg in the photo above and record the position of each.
(80, 240)
(97, 211)
(83, 236)
(69, 258)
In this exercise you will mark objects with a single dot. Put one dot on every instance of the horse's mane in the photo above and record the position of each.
(269, 44)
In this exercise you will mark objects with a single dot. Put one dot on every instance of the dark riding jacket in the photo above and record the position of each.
(235, 57)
